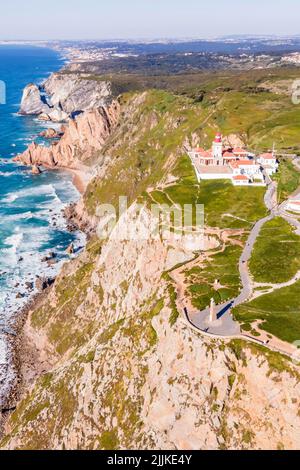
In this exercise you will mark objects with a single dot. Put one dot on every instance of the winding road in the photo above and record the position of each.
(226, 326)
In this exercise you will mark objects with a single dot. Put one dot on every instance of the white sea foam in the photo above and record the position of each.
(10, 198)
(3, 352)
(14, 240)
(24, 139)
(43, 190)
(21, 256)
(7, 173)
(15, 217)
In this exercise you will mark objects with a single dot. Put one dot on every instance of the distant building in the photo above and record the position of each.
(236, 164)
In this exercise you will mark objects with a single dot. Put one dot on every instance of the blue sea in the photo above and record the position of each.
(32, 224)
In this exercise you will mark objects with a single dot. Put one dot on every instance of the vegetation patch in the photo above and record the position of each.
(288, 178)
(277, 362)
(109, 440)
(173, 296)
(62, 330)
(276, 255)
(222, 267)
(279, 312)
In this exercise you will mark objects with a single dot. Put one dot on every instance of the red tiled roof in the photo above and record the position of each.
(241, 178)
(228, 155)
(238, 163)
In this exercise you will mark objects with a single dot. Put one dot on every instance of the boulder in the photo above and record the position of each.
(57, 115)
(49, 257)
(70, 250)
(44, 117)
(29, 285)
(32, 102)
(43, 283)
(35, 170)
(20, 296)
(50, 134)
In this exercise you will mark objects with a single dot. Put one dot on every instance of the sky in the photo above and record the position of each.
(124, 19)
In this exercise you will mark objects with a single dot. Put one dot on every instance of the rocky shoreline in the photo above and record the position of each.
(20, 361)
(17, 359)
(24, 363)
(89, 113)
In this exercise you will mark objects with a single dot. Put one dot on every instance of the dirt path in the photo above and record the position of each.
(178, 276)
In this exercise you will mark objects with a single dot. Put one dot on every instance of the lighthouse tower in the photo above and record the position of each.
(212, 311)
(217, 149)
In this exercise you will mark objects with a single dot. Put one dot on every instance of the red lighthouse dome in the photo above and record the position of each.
(218, 138)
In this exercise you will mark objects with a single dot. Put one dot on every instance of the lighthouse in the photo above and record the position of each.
(217, 149)
(212, 311)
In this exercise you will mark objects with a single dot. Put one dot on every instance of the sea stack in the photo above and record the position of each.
(32, 102)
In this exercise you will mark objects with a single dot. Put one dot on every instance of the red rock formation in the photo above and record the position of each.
(82, 138)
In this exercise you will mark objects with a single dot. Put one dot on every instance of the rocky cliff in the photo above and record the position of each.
(83, 137)
(74, 92)
(108, 360)
(67, 95)
(121, 371)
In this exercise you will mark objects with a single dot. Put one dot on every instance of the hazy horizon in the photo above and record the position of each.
(147, 19)
(153, 38)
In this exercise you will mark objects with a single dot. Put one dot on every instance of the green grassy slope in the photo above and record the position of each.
(279, 311)
(222, 266)
(154, 130)
(288, 178)
(276, 254)
(257, 104)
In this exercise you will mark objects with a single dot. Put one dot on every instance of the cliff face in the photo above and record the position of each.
(68, 95)
(72, 92)
(112, 362)
(82, 137)
(124, 373)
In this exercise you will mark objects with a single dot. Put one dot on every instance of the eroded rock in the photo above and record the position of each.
(32, 102)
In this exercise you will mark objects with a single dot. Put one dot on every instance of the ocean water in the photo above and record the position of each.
(31, 221)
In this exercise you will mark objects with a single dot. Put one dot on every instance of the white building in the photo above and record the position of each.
(249, 168)
(236, 164)
(269, 162)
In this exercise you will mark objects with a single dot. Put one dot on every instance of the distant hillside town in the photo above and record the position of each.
(237, 164)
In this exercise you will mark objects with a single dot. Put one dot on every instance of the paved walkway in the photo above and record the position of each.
(224, 326)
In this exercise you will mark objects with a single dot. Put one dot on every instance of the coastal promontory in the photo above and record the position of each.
(111, 360)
